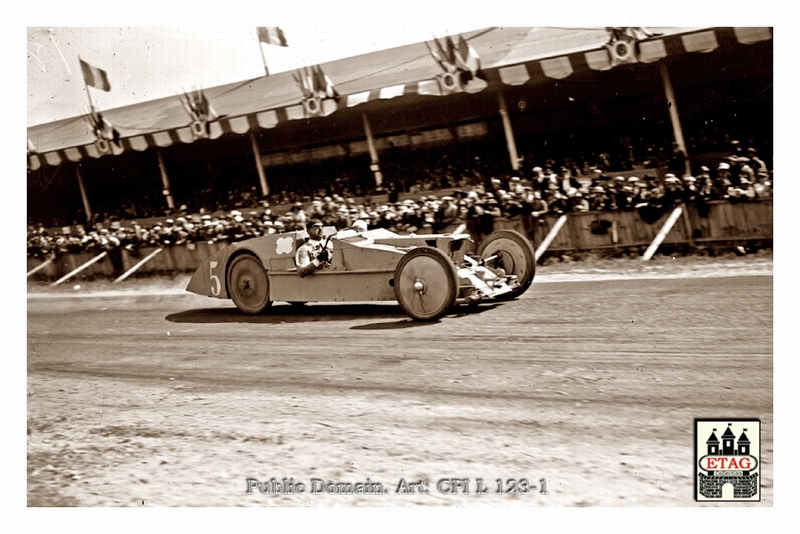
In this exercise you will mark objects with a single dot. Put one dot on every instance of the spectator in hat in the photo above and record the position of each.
(541, 180)
(746, 172)
(578, 203)
(446, 214)
(722, 182)
(298, 216)
(677, 160)
(689, 189)
(599, 200)
(567, 183)
(763, 185)
(754, 161)
(673, 192)
(538, 205)
(742, 192)
(617, 194)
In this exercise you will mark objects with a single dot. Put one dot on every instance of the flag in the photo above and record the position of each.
(94, 76)
(446, 56)
(197, 106)
(322, 84)
(271, 36)
(300, 79)
(102, 129)
(458, 58)
(467, 59)
(437, 57)
(451, 51)
(445, 59)
(314, 82)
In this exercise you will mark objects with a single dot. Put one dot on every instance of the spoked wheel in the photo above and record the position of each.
(514, 254)
(248, 284)
(425, 283)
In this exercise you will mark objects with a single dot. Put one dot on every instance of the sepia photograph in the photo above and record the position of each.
(374, 259)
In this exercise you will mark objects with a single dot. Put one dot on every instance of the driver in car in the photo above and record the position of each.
(314, 254)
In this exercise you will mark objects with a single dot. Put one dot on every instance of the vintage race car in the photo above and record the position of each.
(426, 274)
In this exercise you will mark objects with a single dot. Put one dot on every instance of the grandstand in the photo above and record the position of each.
(542, 94)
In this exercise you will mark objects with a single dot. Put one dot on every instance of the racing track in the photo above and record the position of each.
(592, 385)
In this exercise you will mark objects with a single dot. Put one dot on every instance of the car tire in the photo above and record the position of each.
(248, 284)
(425, 283)
(515, 255)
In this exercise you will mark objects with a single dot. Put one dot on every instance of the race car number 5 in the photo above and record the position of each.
(216, 285)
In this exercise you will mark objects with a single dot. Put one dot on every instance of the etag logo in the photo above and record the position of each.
(727, 455)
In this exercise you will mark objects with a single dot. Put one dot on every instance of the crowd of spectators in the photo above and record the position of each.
(469, 198)
(466, 165)
(135, 192)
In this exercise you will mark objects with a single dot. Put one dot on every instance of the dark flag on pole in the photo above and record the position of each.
(200, 112)
(323, 85)
(103, 131)
(467, 59)
(94, 76)
(317, 89)
(272, 36)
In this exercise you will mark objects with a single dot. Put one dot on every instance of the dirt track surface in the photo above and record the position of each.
(151, 398)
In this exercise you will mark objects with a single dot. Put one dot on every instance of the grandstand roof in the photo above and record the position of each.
(395, 77)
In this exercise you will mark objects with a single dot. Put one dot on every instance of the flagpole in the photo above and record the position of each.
(261, 49)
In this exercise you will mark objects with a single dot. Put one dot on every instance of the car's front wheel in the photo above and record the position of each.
(425, 283)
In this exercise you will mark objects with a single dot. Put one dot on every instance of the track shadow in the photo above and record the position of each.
(281, 313)
(319, 312)
(458, 311)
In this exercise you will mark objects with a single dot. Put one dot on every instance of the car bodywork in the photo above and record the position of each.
(367, 267)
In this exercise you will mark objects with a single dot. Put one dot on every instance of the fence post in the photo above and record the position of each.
(79, 269)
(673, 217)
(40, 267)
(549, 237)
(139, 264)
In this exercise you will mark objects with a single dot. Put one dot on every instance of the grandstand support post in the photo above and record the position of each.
(79, 269)
(257, 155)
(165, 181)
(673, 114)
(135, 268)
(373, 152)
(509, 131)
(545, 244)
(673, 218)
(86, 207)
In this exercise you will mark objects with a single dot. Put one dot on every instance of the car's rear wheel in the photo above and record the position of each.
(514, 254)
(248, 285)
(425, 283)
